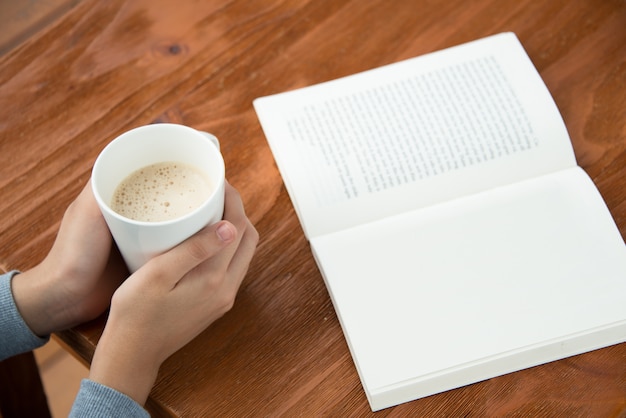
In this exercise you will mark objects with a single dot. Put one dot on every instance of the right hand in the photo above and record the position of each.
(171, 299)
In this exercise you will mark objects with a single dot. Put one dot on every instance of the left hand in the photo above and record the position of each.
(76, 280)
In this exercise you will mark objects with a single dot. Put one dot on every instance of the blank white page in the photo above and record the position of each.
(489, 275)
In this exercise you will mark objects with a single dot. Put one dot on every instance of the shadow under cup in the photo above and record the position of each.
(139, 241)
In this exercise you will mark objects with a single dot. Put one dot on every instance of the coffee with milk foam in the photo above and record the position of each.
(161, 192)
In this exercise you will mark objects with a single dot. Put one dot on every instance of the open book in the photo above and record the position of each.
(457, 236)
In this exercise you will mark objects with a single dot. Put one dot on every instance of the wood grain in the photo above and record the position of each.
(22, 19)
(105, 67)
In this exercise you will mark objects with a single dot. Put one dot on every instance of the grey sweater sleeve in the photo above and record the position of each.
(96, 400)
(15, 336)
(93, 399)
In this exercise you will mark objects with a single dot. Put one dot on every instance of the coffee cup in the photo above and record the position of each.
(146, 148)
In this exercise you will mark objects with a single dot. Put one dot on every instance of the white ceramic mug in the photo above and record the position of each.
(139, 241)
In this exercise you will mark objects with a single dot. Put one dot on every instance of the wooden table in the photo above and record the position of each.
(104, 67)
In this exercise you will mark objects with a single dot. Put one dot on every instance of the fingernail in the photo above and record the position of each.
(225, 232)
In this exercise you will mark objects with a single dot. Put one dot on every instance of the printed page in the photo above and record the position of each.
(477, 287)
(414, 133)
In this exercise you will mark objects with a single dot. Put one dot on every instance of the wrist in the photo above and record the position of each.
(124, 365)
(34, 300)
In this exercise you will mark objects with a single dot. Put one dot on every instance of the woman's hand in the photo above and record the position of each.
(171, 299)
(75, 282)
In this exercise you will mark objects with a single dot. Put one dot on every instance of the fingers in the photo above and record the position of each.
(241, 258)
(84, 226)
(219, 251)
(85, 205)
(235, 214)
(83, 241)
(171, 266)
(234, 259)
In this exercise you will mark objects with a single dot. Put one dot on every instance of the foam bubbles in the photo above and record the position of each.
(161, 192)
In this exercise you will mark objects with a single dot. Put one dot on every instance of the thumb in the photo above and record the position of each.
(172, 265)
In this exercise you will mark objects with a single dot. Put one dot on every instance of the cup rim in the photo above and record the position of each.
(106, 206)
